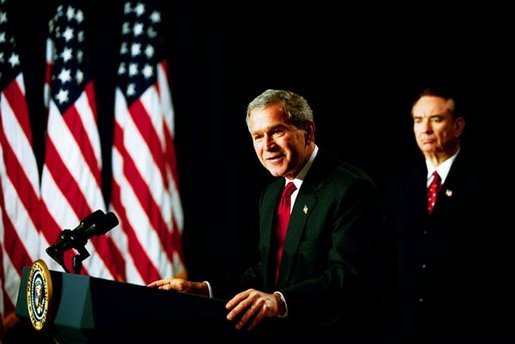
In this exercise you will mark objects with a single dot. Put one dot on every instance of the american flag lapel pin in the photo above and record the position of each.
(305, 209)
(448, 193)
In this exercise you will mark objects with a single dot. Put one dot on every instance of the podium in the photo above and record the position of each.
(88, 309)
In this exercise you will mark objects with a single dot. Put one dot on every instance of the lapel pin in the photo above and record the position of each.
(448, 193)
(305, 209)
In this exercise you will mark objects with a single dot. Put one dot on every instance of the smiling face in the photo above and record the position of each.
(436, 130)
(282, 148)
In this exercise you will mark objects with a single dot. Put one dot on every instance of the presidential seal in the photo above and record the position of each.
(39, 294)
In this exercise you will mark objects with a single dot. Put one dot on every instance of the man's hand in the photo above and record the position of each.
(253, 305)
(182, 286)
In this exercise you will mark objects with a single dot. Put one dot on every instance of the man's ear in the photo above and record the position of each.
(459, 124)
(309, 132)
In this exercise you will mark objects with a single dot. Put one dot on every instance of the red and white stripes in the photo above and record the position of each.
(145, 194)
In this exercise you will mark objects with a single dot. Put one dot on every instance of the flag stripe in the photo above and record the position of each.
(71, 178)
(149, 136)
(13, 244)
(144, 196)
(19, 178)
(16, 219)
(13, 93)
(71, 189)
(82, 126)
(15, 150)
(145, 193)
(172, 172)
(51, 234)
(139, 250)
(143, 264)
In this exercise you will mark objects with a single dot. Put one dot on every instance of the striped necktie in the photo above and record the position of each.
(432, 191)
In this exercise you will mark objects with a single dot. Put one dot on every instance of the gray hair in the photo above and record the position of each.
(445, 95)
(295, 106)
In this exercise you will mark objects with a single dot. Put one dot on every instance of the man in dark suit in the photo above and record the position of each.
(320, 280)
(447, 286)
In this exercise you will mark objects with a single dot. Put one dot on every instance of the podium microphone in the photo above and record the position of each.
(96, 223)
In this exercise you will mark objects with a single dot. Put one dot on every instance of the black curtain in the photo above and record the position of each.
(358, 65)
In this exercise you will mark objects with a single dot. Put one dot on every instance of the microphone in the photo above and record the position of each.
(96, 223)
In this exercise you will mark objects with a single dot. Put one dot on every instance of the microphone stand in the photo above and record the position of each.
(78, 258)
(80, 246)
(58, 254)
(96, 223)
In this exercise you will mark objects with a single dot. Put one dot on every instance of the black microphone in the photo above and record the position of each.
(96, 223)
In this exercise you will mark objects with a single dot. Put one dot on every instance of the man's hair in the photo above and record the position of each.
(295, 106)
(444, 93)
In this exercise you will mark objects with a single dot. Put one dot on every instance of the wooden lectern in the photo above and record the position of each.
(87, 309)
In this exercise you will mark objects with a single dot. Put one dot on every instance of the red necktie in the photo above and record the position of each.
(432, 191)
(283, 217)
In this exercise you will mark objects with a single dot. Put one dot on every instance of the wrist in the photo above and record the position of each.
(206, 288)
(282, 308)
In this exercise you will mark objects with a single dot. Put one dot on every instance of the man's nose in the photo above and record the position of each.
(426, 126)
(269, 141)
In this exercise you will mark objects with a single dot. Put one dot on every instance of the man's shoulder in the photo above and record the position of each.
(334, 173)
(273, 187)
(338, 166)
(406, 169)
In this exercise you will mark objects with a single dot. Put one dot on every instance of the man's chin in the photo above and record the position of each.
(276, 172)
(428, 148)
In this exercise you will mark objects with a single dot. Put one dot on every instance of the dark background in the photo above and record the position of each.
(358, 65)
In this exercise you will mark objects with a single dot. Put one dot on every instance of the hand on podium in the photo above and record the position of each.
(247, 309)
(250, 307)
(182, 286)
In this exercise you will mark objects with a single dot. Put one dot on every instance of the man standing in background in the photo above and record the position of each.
(447, 280)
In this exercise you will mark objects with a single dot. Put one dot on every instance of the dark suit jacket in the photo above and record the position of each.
(330, 267)
(447, 278)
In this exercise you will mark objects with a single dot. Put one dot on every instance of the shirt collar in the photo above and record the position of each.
(302, 174)
(442, 169)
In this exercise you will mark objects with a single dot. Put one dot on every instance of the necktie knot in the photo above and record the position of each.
(432, 191)
(284, 209)
(289, 189)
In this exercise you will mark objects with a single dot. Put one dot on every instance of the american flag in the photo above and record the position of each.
(19, 179)
(145, 192)
(71, 183)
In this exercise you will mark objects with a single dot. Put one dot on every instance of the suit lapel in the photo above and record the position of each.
(459, 174)
(302, 208)
(418, 188)
(306, 201)
(268, 228)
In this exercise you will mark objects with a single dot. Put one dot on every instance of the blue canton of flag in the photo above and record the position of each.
(69, 75)
(140, 51)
